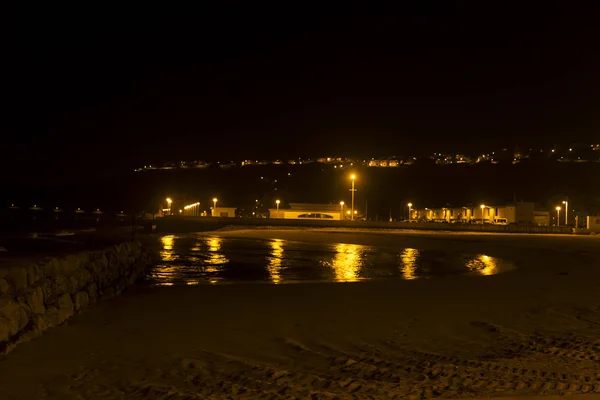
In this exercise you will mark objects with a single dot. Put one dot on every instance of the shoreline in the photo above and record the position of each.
(532, 331)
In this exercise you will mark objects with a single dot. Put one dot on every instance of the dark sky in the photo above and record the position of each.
(93, 91)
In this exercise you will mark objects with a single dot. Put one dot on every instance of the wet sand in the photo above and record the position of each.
(531, 331)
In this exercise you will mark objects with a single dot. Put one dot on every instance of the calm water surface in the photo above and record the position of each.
(195, 259)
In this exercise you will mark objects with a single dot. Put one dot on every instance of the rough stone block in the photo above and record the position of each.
(53, 267)
(54, 287)
(38, 323)
(82, 300)
(18, 277)
(80, 279)
(65, 304)
(14, 314)
(3, 330)
(94, 268)
(34, 273)
(35, 300)
(93, 293)
(70, 264)
(63, 285)
(53, 317)
(4, 287)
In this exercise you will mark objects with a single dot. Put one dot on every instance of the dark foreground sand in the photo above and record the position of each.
(531, 331)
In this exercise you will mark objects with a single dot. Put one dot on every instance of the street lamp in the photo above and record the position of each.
(215, 207)
(169, 201)
(482, 208)
(342, 210)
(566, 203)
(558, 216)
(277, 202)
(353, 178)
(409, 211)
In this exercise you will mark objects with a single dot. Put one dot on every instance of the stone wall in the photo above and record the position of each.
(38, 296)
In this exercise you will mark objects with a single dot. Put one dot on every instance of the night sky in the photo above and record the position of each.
(96, 92)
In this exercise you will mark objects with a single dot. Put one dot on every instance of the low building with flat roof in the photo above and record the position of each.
(520, 213)
(310, 211)
(223, 212)
(593, 223)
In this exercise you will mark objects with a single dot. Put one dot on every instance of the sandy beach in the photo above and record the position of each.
(534, 330)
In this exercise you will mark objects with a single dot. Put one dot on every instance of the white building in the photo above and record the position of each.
(225, 212)
(520, 212)
(593, 224)
(310, 211)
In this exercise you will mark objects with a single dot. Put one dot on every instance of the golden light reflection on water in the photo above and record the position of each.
(490, 265)
(483, 265)
(165, 272)
(215, 259)
(276, 260)
(347, 262)
(409, 259)
(167, 253)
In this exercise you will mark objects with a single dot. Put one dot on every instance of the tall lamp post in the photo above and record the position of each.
(566, 203)
(215, 207)
(342, 210)
(482, 208)
(409, 212)
(353, 178)
(169, 201)
(558, 216)
(277, 202)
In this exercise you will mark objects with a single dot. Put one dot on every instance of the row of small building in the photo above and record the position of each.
(521, 213)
